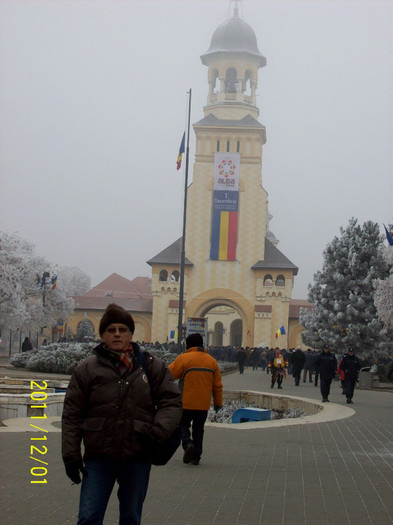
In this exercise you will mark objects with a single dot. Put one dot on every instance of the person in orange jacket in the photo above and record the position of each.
(200, 378)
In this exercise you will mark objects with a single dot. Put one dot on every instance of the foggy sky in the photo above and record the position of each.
(93, 101)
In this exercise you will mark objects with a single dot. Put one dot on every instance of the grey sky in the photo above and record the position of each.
(93, 106)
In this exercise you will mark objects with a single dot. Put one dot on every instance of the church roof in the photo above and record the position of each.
(116, 286)
(234, 35)
(246, 122)
(274, 259)
(132, 295)
(170, 255)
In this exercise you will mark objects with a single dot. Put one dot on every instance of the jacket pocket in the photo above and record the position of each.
(93, 423)
(93, 436)
(143, 427)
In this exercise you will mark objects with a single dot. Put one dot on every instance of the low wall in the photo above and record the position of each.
(274, 401)
(16, 401)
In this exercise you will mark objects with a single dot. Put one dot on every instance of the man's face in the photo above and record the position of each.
(117, 337)
(325, 349)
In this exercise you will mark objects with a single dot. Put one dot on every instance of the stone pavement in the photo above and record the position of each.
(336, 470)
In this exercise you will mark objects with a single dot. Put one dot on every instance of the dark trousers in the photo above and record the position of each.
(97, 486)
(305, 370)
(349, 386)
(325, 386)
(277, 376)
(296, 376)
(196, 420)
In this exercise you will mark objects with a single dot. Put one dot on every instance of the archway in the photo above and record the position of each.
(225, 307)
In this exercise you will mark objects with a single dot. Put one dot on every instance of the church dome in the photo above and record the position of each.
(234, 35)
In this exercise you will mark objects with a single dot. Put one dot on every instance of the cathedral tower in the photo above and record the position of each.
(234, 271)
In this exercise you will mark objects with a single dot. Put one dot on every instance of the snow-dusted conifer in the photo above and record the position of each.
(383, 298)
(343, 312)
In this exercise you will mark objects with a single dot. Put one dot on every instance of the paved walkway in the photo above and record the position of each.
(334, 471)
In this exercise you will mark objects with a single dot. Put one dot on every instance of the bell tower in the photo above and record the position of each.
(232, 263)
(233, 60)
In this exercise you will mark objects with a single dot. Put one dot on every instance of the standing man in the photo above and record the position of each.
(297, 359)
(350, 366)
(26, 345)
(200, 378)
(325, 367)
(108, 405)
(277, 365)
(308, 366)
(241, 358)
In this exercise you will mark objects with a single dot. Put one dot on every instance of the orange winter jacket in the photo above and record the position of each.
(199, 378)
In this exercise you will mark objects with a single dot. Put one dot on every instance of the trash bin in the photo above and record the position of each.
(365, 378)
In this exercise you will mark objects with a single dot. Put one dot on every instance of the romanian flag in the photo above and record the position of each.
(388, 236)
(181, 151)
(280, 331)
(54, 282)
(224, 235)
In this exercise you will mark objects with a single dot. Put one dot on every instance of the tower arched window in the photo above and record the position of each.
(268, 280)
(175, 276)
(247, 83)
(214, 81)
(163, 275)
(280, 281)
(231, 81)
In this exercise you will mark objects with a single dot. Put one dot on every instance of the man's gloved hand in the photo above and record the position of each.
(217, 408)
(73, 471)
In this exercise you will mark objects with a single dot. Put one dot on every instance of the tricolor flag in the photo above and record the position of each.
(280, 331)
(181, 151)
(54, 282)
(388, 236)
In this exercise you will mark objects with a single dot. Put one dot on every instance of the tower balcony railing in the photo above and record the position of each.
(230, 97)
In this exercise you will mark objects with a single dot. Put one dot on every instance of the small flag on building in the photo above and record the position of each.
(388, 236)
(181, 151)
(280, 331)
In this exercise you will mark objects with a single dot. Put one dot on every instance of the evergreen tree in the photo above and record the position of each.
(343, 312)
(383, 298)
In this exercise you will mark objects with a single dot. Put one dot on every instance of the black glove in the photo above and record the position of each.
(73, 470)
(217, 408)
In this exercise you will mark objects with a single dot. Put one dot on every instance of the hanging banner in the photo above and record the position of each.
(225, 206)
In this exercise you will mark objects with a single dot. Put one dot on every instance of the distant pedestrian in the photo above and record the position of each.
(241, 358)
(297, 359)
(254, 358)
(325, 366)
(26, 345)
(277, 367)
(350, 365)
(308, 365)
(341, 375)
(263, 358)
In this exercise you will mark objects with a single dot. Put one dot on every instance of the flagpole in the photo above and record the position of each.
(183, 243)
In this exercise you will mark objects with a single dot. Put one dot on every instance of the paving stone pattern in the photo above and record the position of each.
(334, 473)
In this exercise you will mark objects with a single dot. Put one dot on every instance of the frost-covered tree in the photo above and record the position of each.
(29, 299)
(383, 298)
(343, 312)
(85, 329)
(73, 280)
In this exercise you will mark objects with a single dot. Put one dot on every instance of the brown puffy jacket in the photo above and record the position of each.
(199, 377)
(113, 415)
